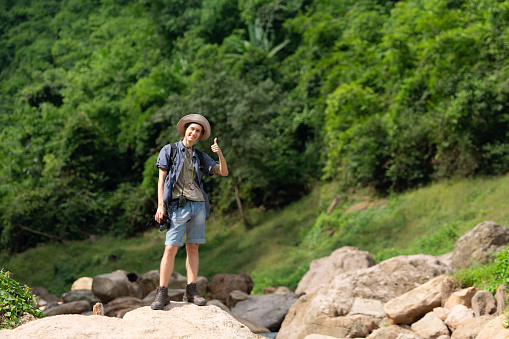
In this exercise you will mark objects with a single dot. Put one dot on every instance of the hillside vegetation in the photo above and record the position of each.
(278, 251)
(369, 94)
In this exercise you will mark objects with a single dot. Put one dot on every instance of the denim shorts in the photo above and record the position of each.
(189, 219)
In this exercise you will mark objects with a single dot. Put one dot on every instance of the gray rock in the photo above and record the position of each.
(484, 303)
(114, 285)
(75, 295)
(267, 310)
(479, 244)
(74, 307)
(235, 297)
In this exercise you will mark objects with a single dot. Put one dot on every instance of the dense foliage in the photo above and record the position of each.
(15, 301)
(388, 94)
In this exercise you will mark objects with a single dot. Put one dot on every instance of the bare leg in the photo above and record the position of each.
(167, 264)
(192, 262)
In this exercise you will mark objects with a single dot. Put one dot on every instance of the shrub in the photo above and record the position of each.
(487, 277)
(15, 301)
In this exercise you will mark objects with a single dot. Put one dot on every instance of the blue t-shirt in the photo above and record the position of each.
(164, 162)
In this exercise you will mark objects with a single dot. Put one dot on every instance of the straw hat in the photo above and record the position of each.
(198, 119)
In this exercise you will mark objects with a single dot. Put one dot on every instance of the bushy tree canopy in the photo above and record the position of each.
(388, 94)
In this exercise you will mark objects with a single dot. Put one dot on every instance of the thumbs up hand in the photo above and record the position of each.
(215, 147)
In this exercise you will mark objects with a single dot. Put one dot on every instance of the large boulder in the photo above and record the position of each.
(479, 244)
(223, 284)
(267, 310)
(114, 285)
(411, 306)
(177, 320)
(322, 271)
(383, 282)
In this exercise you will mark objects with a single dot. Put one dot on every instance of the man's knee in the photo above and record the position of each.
(192, 249)
(170, 251)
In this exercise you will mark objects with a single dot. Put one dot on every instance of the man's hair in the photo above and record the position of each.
(189, 124)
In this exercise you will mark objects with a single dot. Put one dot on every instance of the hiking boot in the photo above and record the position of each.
(162, 298)
(191, 295)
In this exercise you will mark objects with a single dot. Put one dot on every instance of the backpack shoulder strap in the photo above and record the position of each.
(173, 152)
(200, 156)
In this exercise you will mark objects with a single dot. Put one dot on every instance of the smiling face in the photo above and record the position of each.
(193, 133)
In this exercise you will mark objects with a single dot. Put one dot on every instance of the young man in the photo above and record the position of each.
(180, 192)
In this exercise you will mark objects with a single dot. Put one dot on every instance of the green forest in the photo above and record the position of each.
(377, 94)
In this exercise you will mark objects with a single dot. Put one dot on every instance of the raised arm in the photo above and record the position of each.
(223, 167)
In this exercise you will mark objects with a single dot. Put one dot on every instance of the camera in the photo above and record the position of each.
(163, 225)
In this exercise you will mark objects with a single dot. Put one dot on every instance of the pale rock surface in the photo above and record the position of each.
(83, 283)
(393, 331)
(470, 328)
(442, 312)
(430, 327)
(478, 245)
(267, 310)
(323, 270)
(350, 326)
(458, 314)
(461, 297)
(484, 303)
(411, 306)
(180, 320)
(371, 307)
(218, 303)
(494, 329)
(382, 282)
(319, 336)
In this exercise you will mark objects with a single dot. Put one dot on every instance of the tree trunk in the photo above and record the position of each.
(239, 205)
